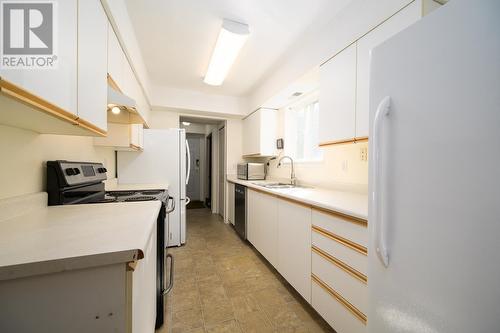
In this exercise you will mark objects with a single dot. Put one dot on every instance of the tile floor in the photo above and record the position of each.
(221, 284)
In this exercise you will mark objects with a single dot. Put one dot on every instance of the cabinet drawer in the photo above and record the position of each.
(336, 312)
(338, 275)
(353, 256)
(351, 229)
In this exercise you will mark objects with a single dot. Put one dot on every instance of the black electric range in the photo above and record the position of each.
(71, 183)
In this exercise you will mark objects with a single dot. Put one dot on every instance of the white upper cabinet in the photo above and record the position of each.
(337, 102)
(123, 137)
(116, 58)
(123, 76)
(57, 86)
(345, 79)
(389, 28)
(92, 63)
(259, 133)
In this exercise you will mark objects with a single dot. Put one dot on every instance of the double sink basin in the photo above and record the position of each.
(277, 185)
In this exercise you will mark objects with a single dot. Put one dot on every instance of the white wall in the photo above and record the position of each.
(197, 101)
(24, 153)
(195, 128)
(164, 119)
(320, 42)
(234, 144)
(341, 168)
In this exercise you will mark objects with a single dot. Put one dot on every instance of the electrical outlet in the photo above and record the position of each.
(363, 154)
(345, 165)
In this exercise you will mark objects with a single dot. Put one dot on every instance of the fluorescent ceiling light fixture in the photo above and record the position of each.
(186, 123)
(232, 37)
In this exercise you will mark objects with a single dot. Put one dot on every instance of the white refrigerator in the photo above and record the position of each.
(164, 160)
(434, 211)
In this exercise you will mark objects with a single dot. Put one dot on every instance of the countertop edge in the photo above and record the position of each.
(313, 204)
(67, 264)
(63, 263)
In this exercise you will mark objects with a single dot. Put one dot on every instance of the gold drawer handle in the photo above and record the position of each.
(355, 311)
(340, 264)
(339, 239)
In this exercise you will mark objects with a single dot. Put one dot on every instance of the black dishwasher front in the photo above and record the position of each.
(240, 210)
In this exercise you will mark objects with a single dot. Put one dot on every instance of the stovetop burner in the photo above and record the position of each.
(142, 198)
(121, 193)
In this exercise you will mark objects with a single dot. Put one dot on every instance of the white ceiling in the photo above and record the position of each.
(177, 37)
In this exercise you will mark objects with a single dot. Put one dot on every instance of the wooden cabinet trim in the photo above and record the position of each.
(113, 84)
(91, 127)
(343, 216)
(346, 141)
(13, 91)
(39, 103)
(339, 239)
(355, 311)
(340, 264)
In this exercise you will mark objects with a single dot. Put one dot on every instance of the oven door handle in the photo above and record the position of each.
(171, 278)
(170, 208)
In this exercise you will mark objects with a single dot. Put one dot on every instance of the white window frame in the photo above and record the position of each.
(310, 98)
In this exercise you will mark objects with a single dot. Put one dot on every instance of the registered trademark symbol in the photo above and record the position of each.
(54, 57)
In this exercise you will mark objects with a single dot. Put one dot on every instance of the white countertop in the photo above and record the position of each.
(113, 185)
(348, 203)
(50, 239)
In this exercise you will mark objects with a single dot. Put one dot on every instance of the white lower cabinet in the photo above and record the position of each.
(341, 280)
(143, 281)
(294, 246)
(334, 312)
(339, 268)
(281, 231)
(356, 259)
(342, 227)
(262, 219)
(117, 297)
(322, 254)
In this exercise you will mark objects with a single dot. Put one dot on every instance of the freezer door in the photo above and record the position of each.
(159, 162)
(434, 184)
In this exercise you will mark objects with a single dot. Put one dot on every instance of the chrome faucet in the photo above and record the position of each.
(293, 180)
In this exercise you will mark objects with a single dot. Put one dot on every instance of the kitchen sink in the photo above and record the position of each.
(278, 185)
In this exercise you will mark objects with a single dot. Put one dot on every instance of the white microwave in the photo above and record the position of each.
(251, 171)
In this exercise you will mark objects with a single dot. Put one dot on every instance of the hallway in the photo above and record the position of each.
(223, 285)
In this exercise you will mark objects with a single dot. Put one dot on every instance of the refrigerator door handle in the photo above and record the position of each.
(170, 208)
(188, 153)
(171, 278)
(377, 195)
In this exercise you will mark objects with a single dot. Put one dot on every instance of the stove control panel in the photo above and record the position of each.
(75, 173)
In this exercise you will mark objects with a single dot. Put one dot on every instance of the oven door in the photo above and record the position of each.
(165, 276)
(169, 259)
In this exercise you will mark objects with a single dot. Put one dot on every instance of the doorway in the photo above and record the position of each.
(222, 171)
(194, 188)
(208, 195)
(207, 144)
